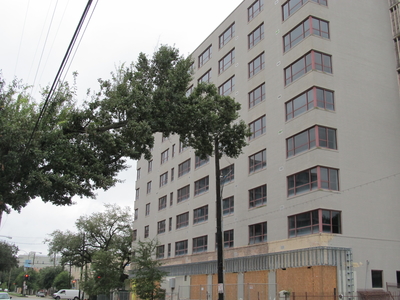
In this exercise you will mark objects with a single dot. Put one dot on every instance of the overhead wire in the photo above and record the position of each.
(59, 73)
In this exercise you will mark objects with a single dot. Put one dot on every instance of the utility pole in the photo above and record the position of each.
(220, 245)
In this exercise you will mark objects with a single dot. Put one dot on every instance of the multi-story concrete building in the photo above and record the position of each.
(312, 205)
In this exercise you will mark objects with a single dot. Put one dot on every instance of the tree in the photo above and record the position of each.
(212, 129)
(47, 276)
(147, 276)
(103, 240)
(62, 281)
(76, 150)
(8, 256)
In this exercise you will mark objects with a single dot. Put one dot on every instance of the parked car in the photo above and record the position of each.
(5, 295)
(66, 294)
(40, 294)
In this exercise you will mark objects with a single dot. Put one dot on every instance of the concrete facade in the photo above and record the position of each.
(360, 72)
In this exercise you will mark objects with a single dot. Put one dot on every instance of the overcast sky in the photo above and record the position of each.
(34, 37)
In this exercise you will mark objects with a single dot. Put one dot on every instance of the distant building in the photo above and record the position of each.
(38, 261)
(312, 205)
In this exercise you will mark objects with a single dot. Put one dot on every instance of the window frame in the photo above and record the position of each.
(259, 132)
(146, 231)
(258, 196)
(182, 197)
(200, 215)
(147, 209)
(161, 227)
(201, 188)
(227, 87)
(149, 166)
(227, 61)
(299, 225)
(313, 140)
(199, 244)
(162, 202)
(256, 36)
(148, 190)
(229, 238)
(223, 40)
(206, 77)
(253, 98)
(256, 65)
(182, 220)
(314, 182)
(377, 279)
(291, 11)
(230, 208)
(137, 194)
(227, 174)
(164, 179)
(262, 164)
(253, 236)
(253, 11)
(134, 235)
(164, 156)
(138, 173)
(205, 56)
(200, 162)
(160, 251)
(184, 168)
(310, 99)
(181, 248)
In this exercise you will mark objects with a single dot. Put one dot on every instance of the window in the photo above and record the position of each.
(173, 150)
(227, 87)
(200, 244)
(146, 231)
(161, 227)
(136, 215)
(188, 92)
(183, 194)
(137, 194)
(138, 174)
(171, 199)
(257, 95)
(314, 97)
(398, 278)
(169, 250)
(228, 238)
(163, 179)
(147, 212)
(172, 174)
(134, 235)
(184, 168)
(160, 251)
(256, 36)
(257, 127)
(205, 56)
(310, 26)
(228, 174)
(169, 224)
(201, 186)
(258, 196)
(228, 206)
(291, 6)
(206, 77)
(182, 147)
(149, 187)
(182, 220)
(164, 156)
(315, 221)
(162, 203)
(149, 166)
(312, 179)
(200, 214)
(181, 248)
(257, 161)
(317, 136)
(258, 233)
(226, 61)
(377, 278)
(200, 162)
(311, 61)
(256, 65)
(228, 34)
(255, 9)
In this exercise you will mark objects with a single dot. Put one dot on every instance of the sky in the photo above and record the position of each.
(34, 37)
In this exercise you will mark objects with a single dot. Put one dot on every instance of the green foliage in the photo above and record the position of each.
(8, 256)
(47, 276)
(209, 116)
(103, 240)
(32, 283)
(147, 276)
(62, 281)
(77, 150)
